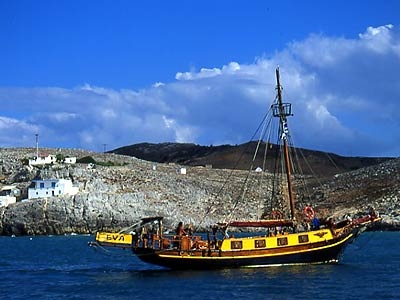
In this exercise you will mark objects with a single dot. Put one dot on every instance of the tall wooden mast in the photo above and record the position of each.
(283, 110)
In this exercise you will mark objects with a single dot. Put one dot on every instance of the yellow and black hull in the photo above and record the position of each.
(324, 245)
(314, 252)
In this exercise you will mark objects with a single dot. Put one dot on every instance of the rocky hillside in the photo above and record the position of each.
(121, 189)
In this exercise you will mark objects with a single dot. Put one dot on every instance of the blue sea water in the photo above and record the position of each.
(64, 267)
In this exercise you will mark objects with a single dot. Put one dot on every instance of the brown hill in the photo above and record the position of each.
(240, 156)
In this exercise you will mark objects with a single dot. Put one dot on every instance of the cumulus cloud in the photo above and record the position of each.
(16, 133)
(379, 39)
(344, 93)
(231, 68)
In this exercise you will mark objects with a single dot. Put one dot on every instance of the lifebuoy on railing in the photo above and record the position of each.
(309, 212)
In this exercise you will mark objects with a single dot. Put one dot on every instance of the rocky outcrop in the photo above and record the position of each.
(118, 195)
(375, 186)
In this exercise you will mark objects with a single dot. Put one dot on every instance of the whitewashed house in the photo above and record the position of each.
(51, 187)
(9, 194)
(42, 160)
(50, 159)
(70, 160)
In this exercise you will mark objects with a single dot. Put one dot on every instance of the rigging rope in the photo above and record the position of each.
(263, 124)
(245, 187)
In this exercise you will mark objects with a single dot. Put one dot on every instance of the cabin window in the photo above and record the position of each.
(236, 245)
(42, 185)
(53, 184)
(303, 238)
(282, 241)
(259, 243)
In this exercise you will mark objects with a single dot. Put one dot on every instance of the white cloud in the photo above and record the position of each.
(183, 134)
(157, 84)
(378, 39)
(9, 123)
(322, 116)
(169, 123)
(231, 68)
(204, 73)
(16, 133)
(63, 116)
(344, 95)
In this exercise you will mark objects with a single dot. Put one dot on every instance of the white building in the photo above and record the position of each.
(70, 160)
(42, 160)
(51, 187)
(49, 159)
(9, 194)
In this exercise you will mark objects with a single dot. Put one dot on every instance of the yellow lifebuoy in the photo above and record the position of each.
(309, 212)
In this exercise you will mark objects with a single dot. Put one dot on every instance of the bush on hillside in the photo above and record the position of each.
(86, 160)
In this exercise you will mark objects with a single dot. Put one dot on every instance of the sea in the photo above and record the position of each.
(65, 267)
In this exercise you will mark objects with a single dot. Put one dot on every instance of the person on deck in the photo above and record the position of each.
(316, 223)
(189, 230)
(179, 233)
(179, 230)
(144, 237)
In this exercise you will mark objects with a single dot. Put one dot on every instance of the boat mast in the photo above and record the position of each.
(283, 110)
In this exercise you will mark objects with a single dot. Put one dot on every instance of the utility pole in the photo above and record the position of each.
(37, 145)
(104, 151)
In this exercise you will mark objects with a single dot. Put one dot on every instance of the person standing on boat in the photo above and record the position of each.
(189, 230)
(144, 237)
(180, 231)
(316, 223)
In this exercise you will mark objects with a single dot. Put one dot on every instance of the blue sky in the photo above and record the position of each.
(87, 73)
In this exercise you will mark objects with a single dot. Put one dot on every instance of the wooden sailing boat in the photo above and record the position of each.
(279, 240)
